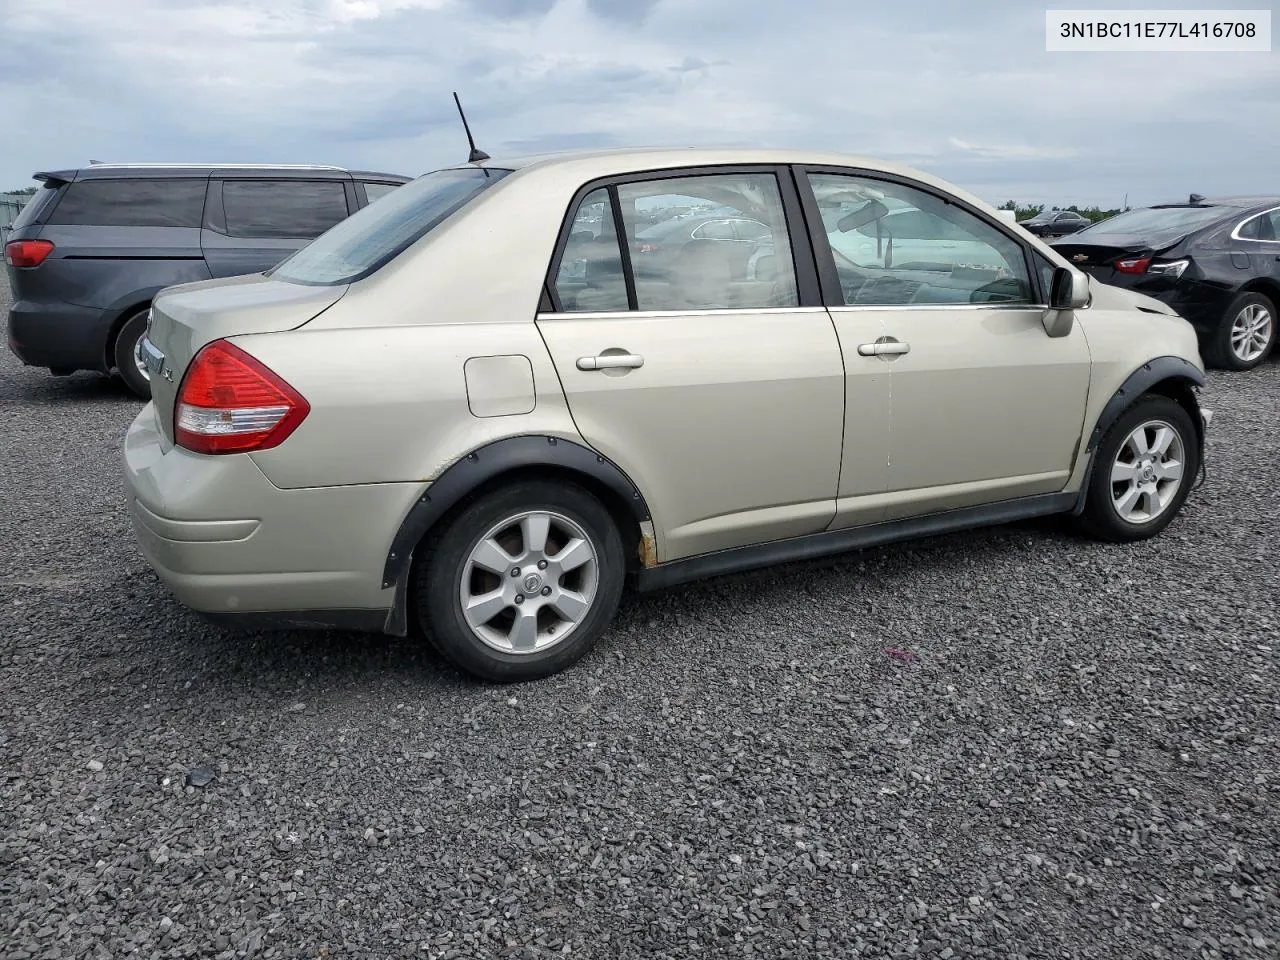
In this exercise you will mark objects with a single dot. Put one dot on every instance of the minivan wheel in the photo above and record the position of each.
(128, 357)
(522, 582)
(1142, 473)
(1246, 334)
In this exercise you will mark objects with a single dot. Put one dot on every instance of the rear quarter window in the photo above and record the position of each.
(145, 202)
(35, 204)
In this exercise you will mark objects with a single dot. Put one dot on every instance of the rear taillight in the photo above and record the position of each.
(230, 402)
(1133, 265)
(27, 253)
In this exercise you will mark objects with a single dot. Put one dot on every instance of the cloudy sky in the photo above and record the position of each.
(963, 90)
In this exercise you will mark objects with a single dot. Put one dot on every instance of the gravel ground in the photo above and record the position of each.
(1072, 751)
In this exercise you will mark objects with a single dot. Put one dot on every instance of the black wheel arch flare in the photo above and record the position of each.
(1169, 370)
(478, 467)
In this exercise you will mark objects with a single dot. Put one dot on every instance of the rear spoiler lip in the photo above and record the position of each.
(55, 178)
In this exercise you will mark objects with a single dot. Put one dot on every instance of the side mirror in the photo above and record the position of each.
(1068, 291)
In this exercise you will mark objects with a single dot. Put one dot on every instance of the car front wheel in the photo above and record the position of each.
(522, 582)
(1142, 473)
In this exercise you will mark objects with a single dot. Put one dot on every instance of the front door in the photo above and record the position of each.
(721, 397)
(985, 405)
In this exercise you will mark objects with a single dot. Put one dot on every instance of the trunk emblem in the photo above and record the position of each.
(1080, 257)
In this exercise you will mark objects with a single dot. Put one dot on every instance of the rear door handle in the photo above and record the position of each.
(611, 361)
(883, 348)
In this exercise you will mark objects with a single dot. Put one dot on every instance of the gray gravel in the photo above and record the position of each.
(1072, 752)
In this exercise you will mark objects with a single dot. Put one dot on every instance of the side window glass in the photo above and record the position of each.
(591, 279)
(715, 230)
(685, 252)
(896, 245)
(1252, 229)
(750, 229)
(1269, 226)
(282, 209)
(144, 202)
(373, 191)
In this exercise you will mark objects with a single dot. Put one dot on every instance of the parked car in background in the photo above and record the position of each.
(94, 245)
(419, 422)
(1055, 223)
(1216, 262)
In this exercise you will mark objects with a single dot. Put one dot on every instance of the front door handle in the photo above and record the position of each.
(885, 346)
(611, 361)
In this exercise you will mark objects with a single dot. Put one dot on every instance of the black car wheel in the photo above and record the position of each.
(127, 357)
(1245, 335)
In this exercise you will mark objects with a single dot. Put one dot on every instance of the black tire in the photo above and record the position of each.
(126, 348)
(1218, 352)
(1101, 519)
(438, 580)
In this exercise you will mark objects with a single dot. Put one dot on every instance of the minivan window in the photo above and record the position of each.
(375, 189)
(1153, 220)
(279, 209)
(372, 236)
(142, 202)
(35, 204)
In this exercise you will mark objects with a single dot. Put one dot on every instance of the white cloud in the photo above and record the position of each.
(965, 91)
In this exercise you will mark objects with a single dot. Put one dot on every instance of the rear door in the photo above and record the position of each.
(722, 398)
(251, 223)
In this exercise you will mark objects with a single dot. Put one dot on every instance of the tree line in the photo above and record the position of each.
(1023, 211)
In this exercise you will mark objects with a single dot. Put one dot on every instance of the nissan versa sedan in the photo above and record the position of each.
(419, 423)
(1216, 262)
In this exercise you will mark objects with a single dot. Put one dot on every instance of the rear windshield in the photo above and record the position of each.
(35, 203)
(1160, 220)
(372, 236)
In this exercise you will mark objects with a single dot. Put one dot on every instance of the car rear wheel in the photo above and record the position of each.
(1246, 334)
(522, 582)
(128, 357)
(1142, 473)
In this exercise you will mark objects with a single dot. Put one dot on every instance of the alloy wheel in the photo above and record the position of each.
(529, 582)
(138, 360)
(1251, 332)
(1147, 472)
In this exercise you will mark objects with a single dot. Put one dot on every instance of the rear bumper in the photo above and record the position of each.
(233, 546)
(61, 336)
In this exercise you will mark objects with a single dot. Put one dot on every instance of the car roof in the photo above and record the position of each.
(581, 166)
(639, 158)
(1245, 201)
(109, 171)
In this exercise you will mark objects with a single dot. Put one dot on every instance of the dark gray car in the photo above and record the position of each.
(95, 245)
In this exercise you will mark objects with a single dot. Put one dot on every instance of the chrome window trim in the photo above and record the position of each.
(919, 307)
(657, 314)
(1235, 233)
(858, 308)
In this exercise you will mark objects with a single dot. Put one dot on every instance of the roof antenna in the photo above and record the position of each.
(476, 154)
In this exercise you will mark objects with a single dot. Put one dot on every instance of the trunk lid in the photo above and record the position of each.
(186, 317)
(1097, 255)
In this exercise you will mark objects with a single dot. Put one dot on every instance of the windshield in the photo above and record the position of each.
(372, 236)
(1153, 220)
